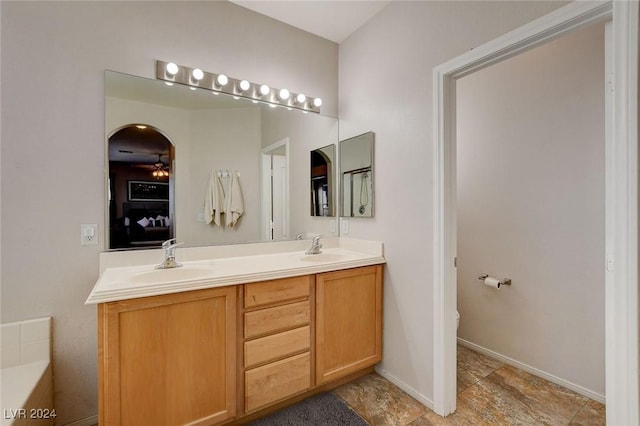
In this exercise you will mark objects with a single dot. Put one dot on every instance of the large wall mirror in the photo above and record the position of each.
(213, 145)
(356, 174)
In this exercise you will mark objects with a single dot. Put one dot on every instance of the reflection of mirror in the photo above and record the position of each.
(322, 177)
(213, 133)
(140, 198)
(356, 172)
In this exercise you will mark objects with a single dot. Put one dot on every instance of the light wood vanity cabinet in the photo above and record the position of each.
(277, 340)
(168, 360)
(225, 354)
(348, 321)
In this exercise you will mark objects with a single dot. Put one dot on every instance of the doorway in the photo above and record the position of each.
(621, 248)
(275, 191)
(530, 207)
(140, 187)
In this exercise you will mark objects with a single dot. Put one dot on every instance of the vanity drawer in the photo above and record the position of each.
(276, 346)
(265, 293)
(278, 318)
(276, 381)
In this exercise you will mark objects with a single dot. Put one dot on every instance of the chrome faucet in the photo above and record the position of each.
(169, 255)
(315, 246)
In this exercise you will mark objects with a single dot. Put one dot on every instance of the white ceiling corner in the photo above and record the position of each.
(334, 20)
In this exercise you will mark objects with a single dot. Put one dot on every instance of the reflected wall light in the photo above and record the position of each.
(170, 72)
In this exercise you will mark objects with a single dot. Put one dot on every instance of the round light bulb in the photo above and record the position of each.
(283, 94)
(264, 90)
(245, 85)
(172, 69)
(222, 80)
(301, 98)
(197, 74)
(317, 102)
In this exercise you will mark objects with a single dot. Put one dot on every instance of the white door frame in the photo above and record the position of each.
(621, 189)
(265, 154)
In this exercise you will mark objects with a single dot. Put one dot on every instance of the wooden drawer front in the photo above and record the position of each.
(276, 346)
(276, 381)
(268, 292)
(272, 320)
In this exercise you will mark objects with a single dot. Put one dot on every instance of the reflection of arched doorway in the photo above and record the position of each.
(140, 187)
(320, 176)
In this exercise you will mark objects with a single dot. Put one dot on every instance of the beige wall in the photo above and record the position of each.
(386, 87)
(531, 207)
(53, 151)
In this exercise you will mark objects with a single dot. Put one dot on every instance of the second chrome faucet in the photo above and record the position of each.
(169, 261)
(315, 246)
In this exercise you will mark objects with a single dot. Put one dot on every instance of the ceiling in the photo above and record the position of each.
(334, 20)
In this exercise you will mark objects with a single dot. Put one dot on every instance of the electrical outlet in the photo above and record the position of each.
(89, 235)
(332, 227)
(345, 226)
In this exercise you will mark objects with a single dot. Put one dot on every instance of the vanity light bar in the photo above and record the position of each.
(195, 77)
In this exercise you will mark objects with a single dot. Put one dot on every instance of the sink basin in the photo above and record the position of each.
(172, 274)
(322, 257)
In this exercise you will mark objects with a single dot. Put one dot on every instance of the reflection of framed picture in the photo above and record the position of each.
(138, 190)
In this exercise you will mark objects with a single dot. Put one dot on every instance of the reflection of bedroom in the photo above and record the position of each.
(139, 188)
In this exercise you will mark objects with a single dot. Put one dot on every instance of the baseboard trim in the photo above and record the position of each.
(405, 387)
(88, 421)
(532, 370)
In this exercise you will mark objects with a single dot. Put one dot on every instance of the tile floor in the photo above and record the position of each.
(489, 393)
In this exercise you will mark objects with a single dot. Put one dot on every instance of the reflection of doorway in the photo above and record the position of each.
(275, 191)
(621, 280)
(320, 173)
(140, 187)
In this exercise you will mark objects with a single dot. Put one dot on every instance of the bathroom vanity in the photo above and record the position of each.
(228, 339)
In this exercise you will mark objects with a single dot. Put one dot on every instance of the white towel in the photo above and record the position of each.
(214, 200)
(233, 204)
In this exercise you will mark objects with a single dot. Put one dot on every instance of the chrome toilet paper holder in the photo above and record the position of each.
(504, 281)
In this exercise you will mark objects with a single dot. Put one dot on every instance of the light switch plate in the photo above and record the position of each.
(89, 234)
(345, 227)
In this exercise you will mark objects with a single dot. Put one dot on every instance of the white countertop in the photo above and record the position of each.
(132, 274)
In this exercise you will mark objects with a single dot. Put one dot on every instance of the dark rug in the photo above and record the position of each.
(325, 409)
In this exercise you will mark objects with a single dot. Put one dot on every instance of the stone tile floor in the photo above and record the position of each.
(489, 393)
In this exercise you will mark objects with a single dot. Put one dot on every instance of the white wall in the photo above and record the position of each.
(53, 151)
(386, 87)
(236, 132)
(531, 207)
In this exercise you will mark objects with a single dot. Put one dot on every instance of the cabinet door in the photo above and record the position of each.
(168, 360)
(348, 321)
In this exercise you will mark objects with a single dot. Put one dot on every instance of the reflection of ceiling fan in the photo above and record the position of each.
(160, 168)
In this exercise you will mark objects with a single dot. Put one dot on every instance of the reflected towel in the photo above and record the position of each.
(233, 204)
(214, 200)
